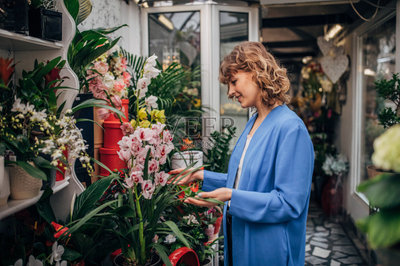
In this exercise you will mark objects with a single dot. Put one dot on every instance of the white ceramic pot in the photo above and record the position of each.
(185, 158)
(22, 184)
(4, 183)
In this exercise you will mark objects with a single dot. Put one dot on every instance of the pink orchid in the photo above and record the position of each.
(119, 85)
(137, 176)
(127, 128)
(116, 100)
(142, 85)
(143, 134)
(161, 178)
(103, 113)
(153, 166)
(125, 143)
(158, 128)
(124, 155)
(127, 78)
(101, 67)
(167, 137)
(147, 189)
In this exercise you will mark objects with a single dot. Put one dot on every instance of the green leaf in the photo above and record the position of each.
(70, 254)
(382, 228)
(177, 232)
(161, 250)
(96, 103)
(72, 7)
(32, 170)
(102, 165)
(87, 200)
(382, 191)
(44, 208)
(85, 8)
(87, 217)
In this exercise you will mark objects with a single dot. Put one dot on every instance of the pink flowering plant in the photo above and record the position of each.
(108, 79)
(145, 149)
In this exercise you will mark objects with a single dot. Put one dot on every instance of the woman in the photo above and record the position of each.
(267, 187)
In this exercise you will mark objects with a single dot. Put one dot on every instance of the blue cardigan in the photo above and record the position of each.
(269, 208)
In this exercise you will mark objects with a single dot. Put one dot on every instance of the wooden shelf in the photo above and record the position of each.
(19, 42)
(14, 206)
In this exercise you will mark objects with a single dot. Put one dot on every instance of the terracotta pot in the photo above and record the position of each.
(112, 134)
(110, 158)
(125, 110)
(372, 171)
(185, 158)
(22, 184)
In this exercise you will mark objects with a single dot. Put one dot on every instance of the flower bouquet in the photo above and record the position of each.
(108, 80)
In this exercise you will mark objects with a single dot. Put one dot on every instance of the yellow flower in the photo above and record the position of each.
(197, 103)
(133, 123)
(142, 114)
(145, 124)
(159, 116)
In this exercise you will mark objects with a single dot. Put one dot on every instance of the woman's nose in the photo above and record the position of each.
(231, 91)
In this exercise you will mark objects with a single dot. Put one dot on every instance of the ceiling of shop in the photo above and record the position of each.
(289, 28)
(290, 31)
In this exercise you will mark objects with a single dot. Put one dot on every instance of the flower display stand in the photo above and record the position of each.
(25, 50)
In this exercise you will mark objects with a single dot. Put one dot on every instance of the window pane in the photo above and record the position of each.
(234, 28)
(175, 37)
(378, 63)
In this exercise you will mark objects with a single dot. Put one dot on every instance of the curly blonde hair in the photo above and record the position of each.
(267, 74)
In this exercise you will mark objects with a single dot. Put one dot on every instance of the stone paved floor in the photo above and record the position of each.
(327, 243)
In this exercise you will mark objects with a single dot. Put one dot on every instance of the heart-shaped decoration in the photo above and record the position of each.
(334, 67)
(324, 45)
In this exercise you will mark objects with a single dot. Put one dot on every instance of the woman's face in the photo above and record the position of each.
(244, 89)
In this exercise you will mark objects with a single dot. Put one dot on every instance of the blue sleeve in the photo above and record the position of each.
(213, 180)
(293, 174)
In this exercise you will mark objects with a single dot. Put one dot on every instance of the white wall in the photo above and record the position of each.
(112, 13)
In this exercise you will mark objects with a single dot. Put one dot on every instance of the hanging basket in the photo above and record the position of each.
(22, 184)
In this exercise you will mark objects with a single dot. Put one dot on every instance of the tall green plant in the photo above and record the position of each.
(87, 45)
(218, 154)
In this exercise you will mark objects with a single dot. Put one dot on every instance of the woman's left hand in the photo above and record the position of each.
(221, 194)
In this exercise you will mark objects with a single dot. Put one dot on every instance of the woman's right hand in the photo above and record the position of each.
(197, 175)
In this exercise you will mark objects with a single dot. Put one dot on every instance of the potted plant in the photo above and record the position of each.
(335, 167)
(33, 126)
(14, 16)
(382, 192)
(44, 21)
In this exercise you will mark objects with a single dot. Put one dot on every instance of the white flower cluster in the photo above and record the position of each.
(190, 219)
(387, 150)
(70, 136)
(149, 71)
(335, 165)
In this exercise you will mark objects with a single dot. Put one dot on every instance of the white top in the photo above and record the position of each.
(239, 171)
